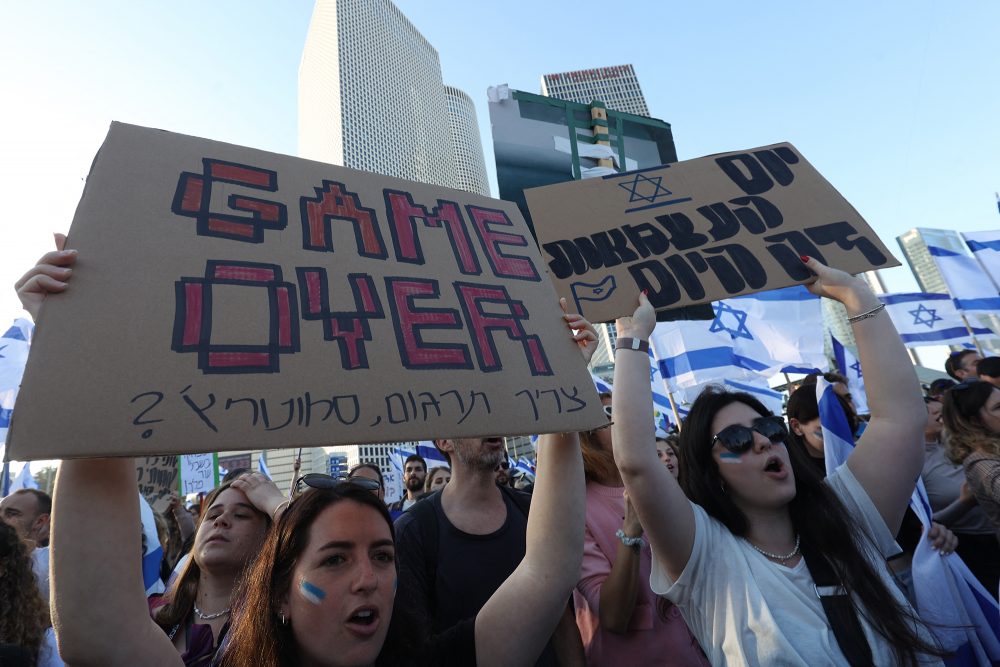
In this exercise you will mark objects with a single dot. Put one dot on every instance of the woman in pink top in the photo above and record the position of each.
(621, 621)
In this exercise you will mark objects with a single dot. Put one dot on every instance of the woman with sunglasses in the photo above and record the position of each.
(971, 414)
(743, 546)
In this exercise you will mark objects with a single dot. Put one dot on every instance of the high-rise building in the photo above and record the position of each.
(371, 95)
(470, 165)
(616, 86)
(914, 246)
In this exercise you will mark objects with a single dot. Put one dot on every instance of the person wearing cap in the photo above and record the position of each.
(988, 370)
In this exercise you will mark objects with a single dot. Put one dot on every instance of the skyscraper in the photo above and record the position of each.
(470, 165)
(616, 86)
(371, 95)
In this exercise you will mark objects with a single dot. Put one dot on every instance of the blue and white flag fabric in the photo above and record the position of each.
(772, 400)
(985, 247)
(525, 466)
(849, 366)
(152, 552)
(923, 318)
(663, 412)
(971, 288)
(431, 454)
(963, 617)
(262, 466)
(24, 480)
(773, 331)
(13, 355)
(602, 386)
(689, 355)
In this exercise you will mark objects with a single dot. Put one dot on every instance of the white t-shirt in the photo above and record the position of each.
(40, 566)
(747, 610)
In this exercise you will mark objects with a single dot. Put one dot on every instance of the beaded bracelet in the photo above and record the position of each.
(631, 542)
(864, 316)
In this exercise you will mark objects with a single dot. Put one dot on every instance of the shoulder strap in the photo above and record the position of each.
(840, 611)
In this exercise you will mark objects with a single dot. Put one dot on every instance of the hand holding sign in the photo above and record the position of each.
(49, 276)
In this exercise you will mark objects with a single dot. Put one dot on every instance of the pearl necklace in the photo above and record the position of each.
(779, 557)
(208, 617)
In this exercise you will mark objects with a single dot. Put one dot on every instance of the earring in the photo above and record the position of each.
(722, 485)
(282, 616)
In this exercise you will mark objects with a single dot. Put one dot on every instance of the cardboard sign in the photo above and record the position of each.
(157, 478)
(199, 473)
(228, 298)
(697, 231)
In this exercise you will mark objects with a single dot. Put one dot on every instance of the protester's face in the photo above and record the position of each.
(812, 433)
(989, 414)
(759, 477)
(483, 454)
(967, 369)
(414, 475)
(368, 473)
(667, 456)
(343, 586)
(20, 512)
(231, 533)
(441, 477)
(933, 427)
(503, 473)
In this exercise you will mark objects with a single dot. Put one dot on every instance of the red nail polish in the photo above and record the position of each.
(645, 292)
(804, 258)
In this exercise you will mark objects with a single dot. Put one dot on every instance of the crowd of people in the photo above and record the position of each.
(730, 543)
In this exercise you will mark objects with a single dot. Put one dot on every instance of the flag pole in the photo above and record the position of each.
(673, 407)
(788, 382)
(975, 341)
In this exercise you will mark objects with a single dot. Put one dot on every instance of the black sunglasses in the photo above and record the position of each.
(738, 438)
(318, 480)
(607, 411)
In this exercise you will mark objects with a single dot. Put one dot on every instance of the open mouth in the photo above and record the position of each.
(365, 616)
(774, 466)
(363, 622)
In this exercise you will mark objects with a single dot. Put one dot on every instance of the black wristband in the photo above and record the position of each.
(636, 344)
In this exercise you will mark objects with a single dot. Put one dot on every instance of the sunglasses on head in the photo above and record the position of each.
(738, 438)
(318, 480)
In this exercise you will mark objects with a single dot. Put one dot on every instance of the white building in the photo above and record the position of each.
(616, 86)
(371, 95)
(470, 165)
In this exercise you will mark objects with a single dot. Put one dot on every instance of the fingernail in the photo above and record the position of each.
(804, 258)
(645, 292)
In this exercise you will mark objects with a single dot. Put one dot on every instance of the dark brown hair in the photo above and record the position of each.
(24, 615)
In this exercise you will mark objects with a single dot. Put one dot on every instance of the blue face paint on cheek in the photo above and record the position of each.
(311, 592)
(730, 457)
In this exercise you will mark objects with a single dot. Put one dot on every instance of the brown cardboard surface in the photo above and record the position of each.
(697, 231)
(228, 298)
(157, 479)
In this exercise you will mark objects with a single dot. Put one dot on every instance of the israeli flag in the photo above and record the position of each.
(663, 412)
(985, 247)
(849, 366)
(689, 355)
(262, 465)
(772, 400)
(972, 289)
(431, 454)
(152, 553)
(525, 466)
(24, 480)
(776, 330)
(602, 386)
(964, 618)
(13, 355)
(923, 318)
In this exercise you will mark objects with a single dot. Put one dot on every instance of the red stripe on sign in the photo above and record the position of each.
(229, 227)
(367, 302)
(269, 211)
(247, 273)
(193, 188)
(234, 359)
(192, 313)
(239, 174)
(284, 319)
(314, 292)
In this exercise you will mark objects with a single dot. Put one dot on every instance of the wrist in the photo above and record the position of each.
(631, 542)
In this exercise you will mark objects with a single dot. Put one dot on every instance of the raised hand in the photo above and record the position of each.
(584, 332)
(49, 276)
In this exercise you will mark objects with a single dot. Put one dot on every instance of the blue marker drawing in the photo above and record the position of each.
(592, 291)
(730, 457)
(311, 592)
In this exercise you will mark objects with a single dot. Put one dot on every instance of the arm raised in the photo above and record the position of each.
(663, 509)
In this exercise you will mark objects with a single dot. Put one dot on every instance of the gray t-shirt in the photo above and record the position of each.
(943, 481)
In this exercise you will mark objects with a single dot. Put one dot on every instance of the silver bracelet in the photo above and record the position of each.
(632, 542)
(864, 316)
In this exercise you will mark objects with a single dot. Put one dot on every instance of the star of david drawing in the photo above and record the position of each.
(1, 350)
(740, 330)
(925, 315)
(856, 367)
(644, 188)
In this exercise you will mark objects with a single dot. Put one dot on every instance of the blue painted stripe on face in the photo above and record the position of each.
(730, 457)
(311, 592)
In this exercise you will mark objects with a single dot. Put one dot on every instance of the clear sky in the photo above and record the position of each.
(894, 102)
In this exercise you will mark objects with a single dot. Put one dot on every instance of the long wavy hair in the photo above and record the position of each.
(817, 515)
(24, 615)
(182, 595)
(964, 430)
(256, 636)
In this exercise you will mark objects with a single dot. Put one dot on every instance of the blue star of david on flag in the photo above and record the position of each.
(924, 315)
(648, 192)
(739, 331)
(856, 367)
